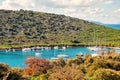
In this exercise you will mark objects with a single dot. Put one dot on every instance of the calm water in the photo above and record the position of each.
(17, 58)
(115, 26)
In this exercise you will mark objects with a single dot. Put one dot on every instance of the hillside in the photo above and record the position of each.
(29, 28)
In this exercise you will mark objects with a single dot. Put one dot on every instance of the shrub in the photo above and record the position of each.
(36, 66)
(106, 74)
(106, 64)
(66, 73)
(116, 57)
(88, 59)
(59, 62)
(4, 71)
(15, 74)
(40, 77)
(74, 62)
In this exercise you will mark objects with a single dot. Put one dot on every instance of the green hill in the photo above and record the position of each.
(30, 28)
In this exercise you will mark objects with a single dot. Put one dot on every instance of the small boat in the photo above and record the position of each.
(63, 47)
(37, 48)
(13, 50)
(94, 55)
(8, 50)
(47, 48)
(62, 56)
(38, 54)
(94, 48)
(26, 49)
(56, 47)
(54, 58)
(32, 48)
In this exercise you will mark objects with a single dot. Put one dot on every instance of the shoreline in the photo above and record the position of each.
(114, 47)
(45, 45)
(50, 45)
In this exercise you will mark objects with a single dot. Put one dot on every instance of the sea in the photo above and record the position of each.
(115, 26)
(16, 58)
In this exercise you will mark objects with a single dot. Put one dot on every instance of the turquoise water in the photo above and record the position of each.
(115, 26)
(18, 57)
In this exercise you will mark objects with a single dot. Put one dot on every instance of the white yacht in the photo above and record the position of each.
(94, 48)
(13, 50)
(54, 58)
(94, 55)
(38, 54)
(26, 49)
(47, 48)
(63, 47)
(37, 48)
(62, 56)
(56, 47)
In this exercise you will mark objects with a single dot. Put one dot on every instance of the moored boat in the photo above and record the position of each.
(62, 56)
(26, 49)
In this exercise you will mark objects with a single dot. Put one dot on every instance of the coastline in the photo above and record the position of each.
(114, 47)
(43, 45)
(19, 47)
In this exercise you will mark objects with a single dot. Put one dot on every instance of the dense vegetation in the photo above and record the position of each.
(106, 66)
(30, 28)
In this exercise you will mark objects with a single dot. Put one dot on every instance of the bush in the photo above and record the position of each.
(15, 74)
(36, 66)
(106, 74)
(88, 59)
(66, 73)
(40, 77)
(4, 71)
(74, 62)
(116, 57)
(59, 62)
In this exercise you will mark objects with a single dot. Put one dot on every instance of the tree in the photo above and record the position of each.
(36, 66)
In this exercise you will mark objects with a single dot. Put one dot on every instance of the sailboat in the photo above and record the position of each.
(55, 58)
(96, 47)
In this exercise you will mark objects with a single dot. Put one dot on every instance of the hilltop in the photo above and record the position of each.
(31, 28)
